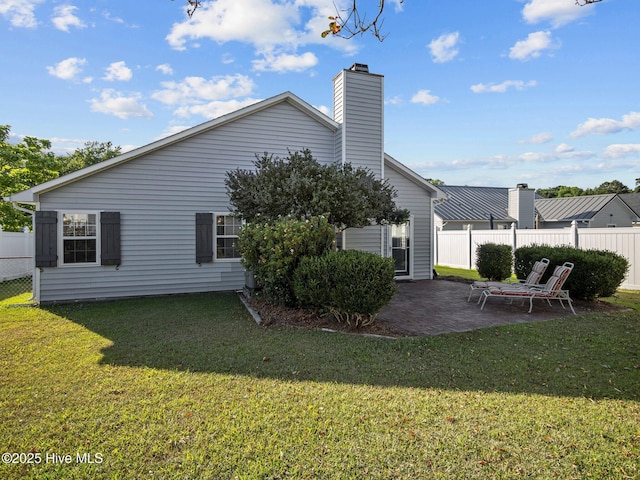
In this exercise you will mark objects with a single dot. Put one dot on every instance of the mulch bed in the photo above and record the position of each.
(279, 315)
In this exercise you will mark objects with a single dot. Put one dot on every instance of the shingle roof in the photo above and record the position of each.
(572, 208)
(474, 204)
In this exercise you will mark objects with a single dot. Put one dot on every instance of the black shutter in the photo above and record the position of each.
(204, 237)
(110, 238)
(46, 239)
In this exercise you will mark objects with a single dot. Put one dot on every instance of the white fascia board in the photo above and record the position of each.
(413, 176)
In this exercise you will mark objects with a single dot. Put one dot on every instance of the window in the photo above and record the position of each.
(79, 238)
(227, 230)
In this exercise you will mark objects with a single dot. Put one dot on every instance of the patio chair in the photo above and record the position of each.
(552, 290)
(533, 279)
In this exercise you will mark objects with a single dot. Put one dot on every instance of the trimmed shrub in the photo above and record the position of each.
(493, 261)
(351, 284)
(596, 273)
(273, 249)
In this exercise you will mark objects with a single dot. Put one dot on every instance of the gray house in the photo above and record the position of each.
(483, 207)
(594, 211)
(156, 220)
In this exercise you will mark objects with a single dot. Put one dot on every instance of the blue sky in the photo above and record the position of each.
(476, 93)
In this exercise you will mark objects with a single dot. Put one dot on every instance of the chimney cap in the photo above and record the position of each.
(359, 67)
(522, 185)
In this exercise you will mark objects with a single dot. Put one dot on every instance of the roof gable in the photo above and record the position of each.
(28, 196)
(402, 169)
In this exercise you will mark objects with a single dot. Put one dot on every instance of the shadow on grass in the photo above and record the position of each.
(594, 356)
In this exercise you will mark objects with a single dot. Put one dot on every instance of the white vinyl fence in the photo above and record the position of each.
(457, 248)
(16, 253)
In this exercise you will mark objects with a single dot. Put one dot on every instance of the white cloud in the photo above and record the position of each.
(165, 68)
(115, 103)
(532, 47)
(564, 148)
(557, 12)
(604, 126)
(324, 109)
(502, 87)
(214, 109)
(20, 13)
(443, 49)
(64, 17)
(262, 23)
(396, 100)
(619, 150)
(199, 90)
(424, 97)
(398, 6)
(259, 22)
(118, 71)
(539, 138)
(67, 69)
(283, 63)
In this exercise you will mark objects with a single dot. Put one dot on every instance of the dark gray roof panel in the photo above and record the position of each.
(572, 208)
(474, 204)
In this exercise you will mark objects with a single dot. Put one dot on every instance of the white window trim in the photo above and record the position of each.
(61, 238)
(411, 249)
(215, 238)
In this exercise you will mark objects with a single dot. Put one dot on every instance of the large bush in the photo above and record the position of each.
(493, 261)
(273, 249)
(596, 273)
(353, 285)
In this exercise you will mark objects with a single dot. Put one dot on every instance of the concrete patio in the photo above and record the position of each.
(431, 307)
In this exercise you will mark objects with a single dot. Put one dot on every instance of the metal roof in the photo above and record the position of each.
(474, 204)
(572, 208)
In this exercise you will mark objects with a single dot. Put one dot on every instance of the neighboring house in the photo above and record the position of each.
(156, 220)
(483, 208)
(633, 201)
(478, 207)
(593, 211)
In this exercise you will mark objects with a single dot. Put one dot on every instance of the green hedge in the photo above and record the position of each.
(273, 249)
(494, 261)
(353, 285)
(596, 273)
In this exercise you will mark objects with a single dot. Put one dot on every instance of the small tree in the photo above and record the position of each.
(302, 187)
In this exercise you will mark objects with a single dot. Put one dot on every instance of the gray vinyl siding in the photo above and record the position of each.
(362, 116)
(158, 195)
(418, 201)
(367, 239)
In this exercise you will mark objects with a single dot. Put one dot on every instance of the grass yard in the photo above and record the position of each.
(189, 387)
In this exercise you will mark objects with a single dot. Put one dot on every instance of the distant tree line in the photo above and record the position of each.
(31, 162)
(614, 186)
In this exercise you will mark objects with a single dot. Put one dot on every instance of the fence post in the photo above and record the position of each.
(574, 234)
(469, 248)
(436, 246)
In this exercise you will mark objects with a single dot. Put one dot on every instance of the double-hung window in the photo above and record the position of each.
(226, 239)
(79, 238)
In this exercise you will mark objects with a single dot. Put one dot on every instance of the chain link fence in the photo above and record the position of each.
(16, 286)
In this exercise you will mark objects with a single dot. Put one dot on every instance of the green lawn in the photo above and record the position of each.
(189, 387)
